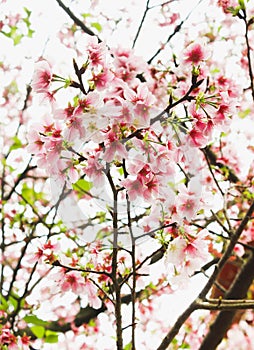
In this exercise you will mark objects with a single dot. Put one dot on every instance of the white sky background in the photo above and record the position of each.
(47, 17)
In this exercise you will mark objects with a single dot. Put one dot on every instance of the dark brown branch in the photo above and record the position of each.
(76, 20)
(178, 324)
(133, 259)
(19, 179)
(213, 161)
(212, 173)
(19, 264)
(141, 23)
(80, 269)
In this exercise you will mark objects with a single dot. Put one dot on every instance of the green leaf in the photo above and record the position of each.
(35, 320)
(28, 12)
(16, 143)
(17, 39)
(38, 331)
(82, 186)
(234, 10)
(242, 4)
(30, 33)
(28, 194)
(13, 302)
(245, 113)
(97, 26)
(128, 346)
(84, 15)
(51, 337)
(120, 170)
(3, 303)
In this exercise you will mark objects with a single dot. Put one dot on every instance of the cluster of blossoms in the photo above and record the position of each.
(118, 130)
(8, 339)
(227, 4)
(191, 251)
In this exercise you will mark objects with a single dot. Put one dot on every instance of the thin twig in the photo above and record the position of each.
(76, 20)
(80, 269)
(141, 23)
(176, 30)
(211, 171)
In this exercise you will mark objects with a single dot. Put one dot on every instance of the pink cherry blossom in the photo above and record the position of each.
(93, 299)
(195, 54)
(127, 64)
(94, 170)
(42, 77)
(35, 141)
(225, 4)
(188, 200)
(72, 281)
(75, 128)
(96, 51)
(142, 100)
(151, 189)
(197, 138)
(102, 79)
(134, 188)
(8, 338)
(197, 247)
(160, 161)
(135, 163)
(169, 21)
(186, 254)
(116, 150)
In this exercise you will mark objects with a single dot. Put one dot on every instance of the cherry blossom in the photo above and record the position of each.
(71, 281)
(93, 299)
(226, 4)
(195, 54)
(42, 77)
(185, 255)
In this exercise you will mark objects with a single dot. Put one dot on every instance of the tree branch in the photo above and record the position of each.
(222, 304)
(209, 154)
(76, 20)
(178, 324)
(176, 30)
(141, 23)
(223, 321)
